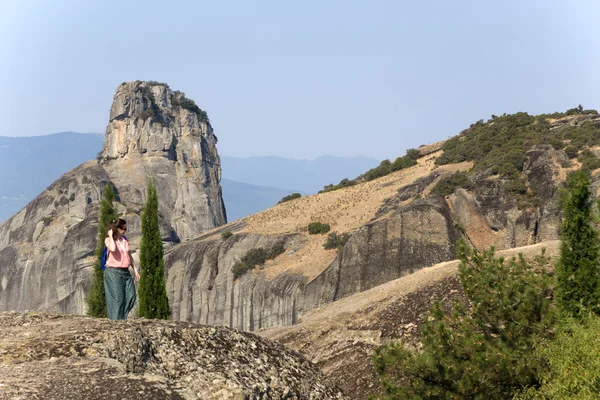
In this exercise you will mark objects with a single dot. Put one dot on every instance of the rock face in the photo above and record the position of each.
(154, 132)
(201, 285)
(49, 356)
(403, 238)
(46, 250)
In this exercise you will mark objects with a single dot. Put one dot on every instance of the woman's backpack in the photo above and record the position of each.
(103, 258)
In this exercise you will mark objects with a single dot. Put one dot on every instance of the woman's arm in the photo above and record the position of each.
(111, 242)
(135, 270)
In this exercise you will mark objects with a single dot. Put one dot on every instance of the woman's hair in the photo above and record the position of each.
(117, 223)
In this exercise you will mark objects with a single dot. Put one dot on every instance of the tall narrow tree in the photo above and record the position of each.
(96, 299)
(153, 301)
(577, 273)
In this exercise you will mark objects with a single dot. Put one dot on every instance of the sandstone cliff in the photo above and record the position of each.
(49, 356)
(46, 250)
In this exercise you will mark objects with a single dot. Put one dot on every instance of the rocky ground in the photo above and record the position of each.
(52, 356)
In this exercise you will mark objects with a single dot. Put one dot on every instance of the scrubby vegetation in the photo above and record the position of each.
(385, 167)
(317, 228)
(335, 241)
(178, 99)
(449, 184)
(226, 235)
(522, 333)
(255, 258)
(289, 197)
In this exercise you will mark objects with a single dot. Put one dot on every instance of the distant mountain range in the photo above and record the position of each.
(252, 184)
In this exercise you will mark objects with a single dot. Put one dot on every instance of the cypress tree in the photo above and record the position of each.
(96, 299)
(153, 301)
(577, 270)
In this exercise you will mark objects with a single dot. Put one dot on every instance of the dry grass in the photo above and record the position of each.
(344, 210)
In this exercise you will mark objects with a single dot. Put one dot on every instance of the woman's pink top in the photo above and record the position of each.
(120, 257)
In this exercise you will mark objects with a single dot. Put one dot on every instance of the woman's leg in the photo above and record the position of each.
(114, 290)
(130, 295)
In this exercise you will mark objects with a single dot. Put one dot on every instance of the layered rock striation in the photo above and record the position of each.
(46, 250)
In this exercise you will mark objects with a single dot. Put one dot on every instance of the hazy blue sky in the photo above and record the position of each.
(305, 78)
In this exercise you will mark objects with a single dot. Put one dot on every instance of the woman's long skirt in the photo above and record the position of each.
(120, 292)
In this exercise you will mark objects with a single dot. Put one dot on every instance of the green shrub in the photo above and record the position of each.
(486, 351)
(571, 151)
(155, 83)
(276, 250)
(316, 228)
(335, 241)
(573, 359)
(226, 235)
(447, 185)
(256, 257)
(343, 183)
(289, 197)
(589, 161)
(178, 99)
(47, 219)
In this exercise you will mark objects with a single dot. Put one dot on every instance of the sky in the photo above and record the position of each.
(305, 78)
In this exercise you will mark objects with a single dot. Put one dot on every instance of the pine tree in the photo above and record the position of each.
(153, 301)
(96, 299)
(486, 351)
(577, 271)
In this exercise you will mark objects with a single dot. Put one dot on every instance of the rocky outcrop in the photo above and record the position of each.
(401, 240)
(202, 288)
(53, 356)
(46, 250)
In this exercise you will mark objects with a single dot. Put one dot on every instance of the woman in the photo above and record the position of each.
(118, 283)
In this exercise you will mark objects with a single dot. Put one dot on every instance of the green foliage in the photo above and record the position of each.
(335, 241)
(256, 257)
(589, 161)
(343, 184)
(485, 352)
(153, 301)
(226, 235)
(573, 359)
(96, 300)
(316, 228)
(276, 250)
(447, 185)
(578, 280)
(155, 83)
(290, 197)
(47, 219)
(386, 167)
(178, 99)
(571, 151)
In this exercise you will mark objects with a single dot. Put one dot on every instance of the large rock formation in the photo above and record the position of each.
(48, 356)
(406, 233)
(46, 250)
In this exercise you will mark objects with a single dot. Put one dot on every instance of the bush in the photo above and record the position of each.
(256, 257)
(571, 151)
(226, 235)
(485, 352)
(447, 185)
(589, 161)
(335, 241)
(47, 219)
(343, 183)
(178, 99)
(155, 83)
(573, 359)
(276, 250)
(289, 197)
(316, 228)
